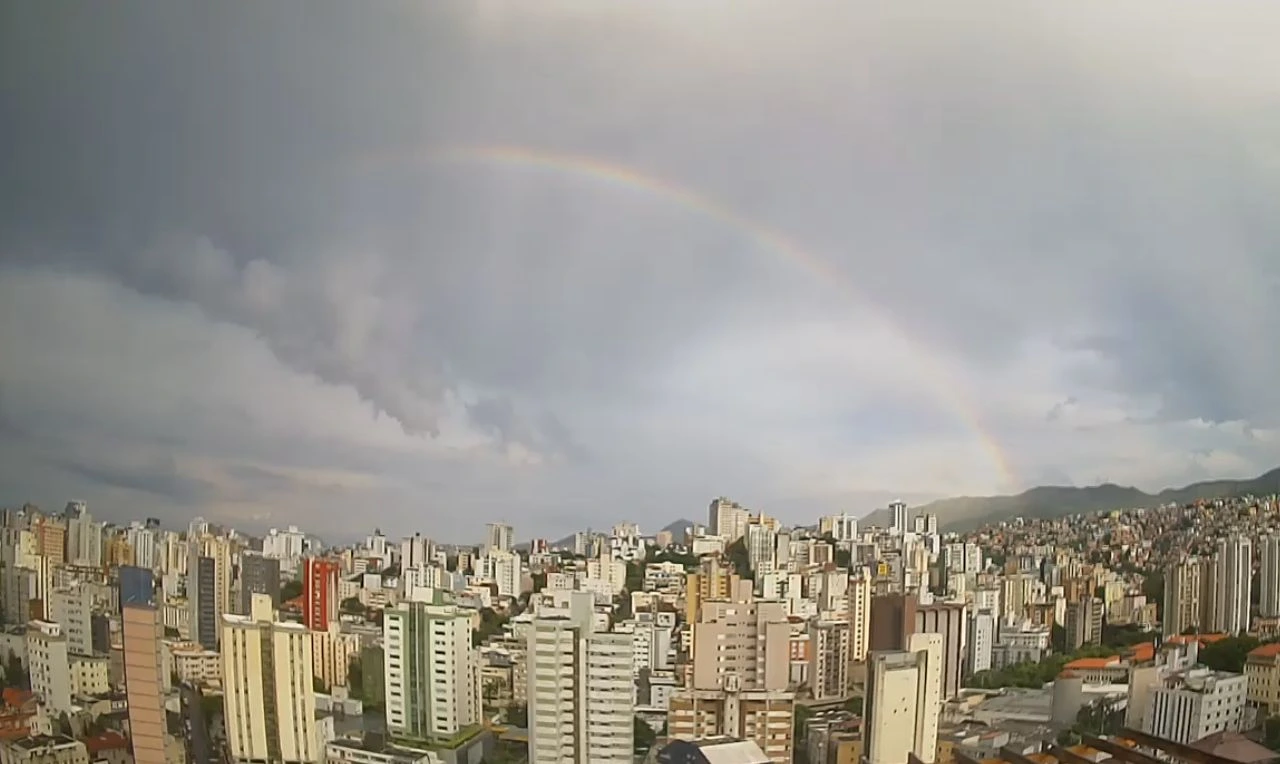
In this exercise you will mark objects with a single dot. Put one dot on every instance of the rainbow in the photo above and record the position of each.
(622, 176)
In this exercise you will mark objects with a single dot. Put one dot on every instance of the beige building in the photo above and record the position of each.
(1262, 671)
(766, 717)
(1184, 603)
(742, 637)
(269, 701)
(143, 683)
(740, 675)
(904, 701)
(333, 652)
(89, 675)
(192, 663)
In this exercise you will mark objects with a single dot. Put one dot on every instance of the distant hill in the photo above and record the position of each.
(676, 528)
(1043, 502)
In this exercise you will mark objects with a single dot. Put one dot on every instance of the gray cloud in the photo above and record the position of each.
(1054, 204)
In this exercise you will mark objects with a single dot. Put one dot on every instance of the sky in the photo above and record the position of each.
(563, 264)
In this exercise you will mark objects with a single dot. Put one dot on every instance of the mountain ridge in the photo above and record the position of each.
(1046, 502)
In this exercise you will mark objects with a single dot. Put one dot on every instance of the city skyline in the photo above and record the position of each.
(495, 263)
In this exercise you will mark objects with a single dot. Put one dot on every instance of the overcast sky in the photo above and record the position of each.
(264, 262)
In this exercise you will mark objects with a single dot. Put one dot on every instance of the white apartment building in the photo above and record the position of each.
(503, 568)
(49, 665)
(1233, 579)
(72, 609)
(1195, 703)
(432, 673)
(333, 651)
(499, 537)
(904, 700)
(580, 690)
(287, 546)
(266, 669)
(979, 642)
(841, 527)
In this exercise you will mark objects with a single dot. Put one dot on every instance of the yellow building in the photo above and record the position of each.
(1262, 670)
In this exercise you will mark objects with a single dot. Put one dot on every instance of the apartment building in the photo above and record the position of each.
(49, 665)
(903, 701)
(829, 650)
(579, 692)
(269, 701)
(431, 670)
(144, 680)
(1191, 704)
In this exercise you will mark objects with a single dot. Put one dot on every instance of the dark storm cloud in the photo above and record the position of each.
(1009, 175)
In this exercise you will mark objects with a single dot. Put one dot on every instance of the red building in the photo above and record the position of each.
(319, 593)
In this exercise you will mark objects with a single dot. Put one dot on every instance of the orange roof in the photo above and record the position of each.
(1092, 663)
(1143, 652)
(16, 697)
(1269, 650)
(1204, 639)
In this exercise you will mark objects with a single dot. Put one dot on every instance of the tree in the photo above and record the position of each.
(1228, 654)
(518, 716)
(741, 560)
(1271, 733)
(635, 577)
(352, 606)
(490, 623)
(14, 673)
(355, 678)
(644, 735)
(318, 685)
(290, 590)
(539, 582)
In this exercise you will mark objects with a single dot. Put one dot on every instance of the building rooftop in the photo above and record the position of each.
(1093, 663)
(1270, 650)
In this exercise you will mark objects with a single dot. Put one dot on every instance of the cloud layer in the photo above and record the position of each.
(1041, 246)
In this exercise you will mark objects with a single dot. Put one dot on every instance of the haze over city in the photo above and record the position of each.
(566, 264)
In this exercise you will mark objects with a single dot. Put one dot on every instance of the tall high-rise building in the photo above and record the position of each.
(859, 594)
(416, 551)
(1184, 585)
(981, 639)
(1083, 622)
(580, 690)
(84, 536)
(829, 658)
(319, 593)
(498, 537)
(201, 587)
(903, 702)
(841, 527)
(893, 620)
(1269, 602)
(728, 519)
(898, 517)
(269, 701)
(741, 672)
(258, 575)
(948, 620)
(432, 672)
(142, 632)
(1234, 581)
(208, 582)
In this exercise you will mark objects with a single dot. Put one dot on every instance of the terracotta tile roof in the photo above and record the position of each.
(107, 741)
(1092, 663)
(1270, 650)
